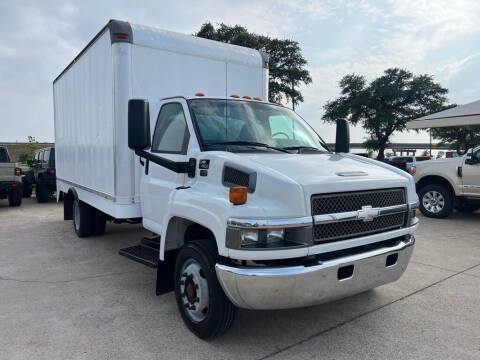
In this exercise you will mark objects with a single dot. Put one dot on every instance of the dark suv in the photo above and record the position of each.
(41, 175)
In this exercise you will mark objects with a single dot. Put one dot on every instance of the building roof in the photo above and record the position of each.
(462, 115)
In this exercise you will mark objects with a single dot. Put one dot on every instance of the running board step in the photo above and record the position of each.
(145, 255)
(153, 243)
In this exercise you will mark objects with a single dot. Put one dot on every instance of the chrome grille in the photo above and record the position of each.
(335, 203)
(350, 229)
(353, 201)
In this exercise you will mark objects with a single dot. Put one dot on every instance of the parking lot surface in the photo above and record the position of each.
(62, 297)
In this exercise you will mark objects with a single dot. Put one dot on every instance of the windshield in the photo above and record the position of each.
(235, 125)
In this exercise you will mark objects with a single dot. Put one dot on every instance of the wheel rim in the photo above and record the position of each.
(76, 215)
(433, 201)
(194, 291)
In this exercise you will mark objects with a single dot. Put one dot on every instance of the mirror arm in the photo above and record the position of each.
(176, 166)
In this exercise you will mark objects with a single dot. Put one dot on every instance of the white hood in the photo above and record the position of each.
(330, 173)
(285, 183)
(324, 173)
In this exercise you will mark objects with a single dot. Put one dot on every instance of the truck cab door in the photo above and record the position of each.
(158, 184)
(471, 175)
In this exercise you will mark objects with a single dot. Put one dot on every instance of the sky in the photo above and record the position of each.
(337, 37)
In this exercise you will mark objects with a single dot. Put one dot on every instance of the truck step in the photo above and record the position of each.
(153, 243)
(145, 255)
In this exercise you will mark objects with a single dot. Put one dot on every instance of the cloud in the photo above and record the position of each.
(337, 36)
(453, 66)
(410, 32)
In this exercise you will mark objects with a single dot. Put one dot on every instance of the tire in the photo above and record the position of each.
(436, 201)
(42, 192)
(467, 208)
(194, 272)
(15, 197)
(26, 190)
(83, 218)
(100, 220)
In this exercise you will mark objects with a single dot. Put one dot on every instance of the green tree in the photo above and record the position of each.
(23, 158)
(32, 146)
(287, 64)
(461, 138)
(386, 104)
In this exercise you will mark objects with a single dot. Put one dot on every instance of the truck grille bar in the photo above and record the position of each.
(342, 216)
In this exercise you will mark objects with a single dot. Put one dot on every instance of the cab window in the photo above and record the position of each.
(46, 156)
(171, 133)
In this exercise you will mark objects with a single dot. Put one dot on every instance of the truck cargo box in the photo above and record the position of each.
(126, 61)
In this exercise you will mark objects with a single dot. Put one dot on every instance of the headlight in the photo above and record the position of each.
(248, 237)
(267, 239)
(261, 238)
(412, 216)
(275, 235)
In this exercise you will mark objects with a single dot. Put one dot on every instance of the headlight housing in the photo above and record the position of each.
(268, 239)
(412, 214)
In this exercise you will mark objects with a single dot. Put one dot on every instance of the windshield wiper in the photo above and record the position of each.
(303, 148)
(249, 143)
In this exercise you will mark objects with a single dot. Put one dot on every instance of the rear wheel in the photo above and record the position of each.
(42, 192)
(202, 303)
(83, 218)
(15, 197)
(436, 201)
(99, 223)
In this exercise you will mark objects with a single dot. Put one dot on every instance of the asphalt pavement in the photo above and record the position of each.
(62, 297)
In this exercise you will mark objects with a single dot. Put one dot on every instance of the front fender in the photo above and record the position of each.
(208, 211)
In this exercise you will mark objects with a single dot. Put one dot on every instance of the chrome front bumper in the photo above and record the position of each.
(298, 286)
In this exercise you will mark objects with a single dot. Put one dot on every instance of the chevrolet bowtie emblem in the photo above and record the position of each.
(367, 213)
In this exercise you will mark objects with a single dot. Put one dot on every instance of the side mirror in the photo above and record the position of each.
(342, 140)
(470, 159)
(138, 125)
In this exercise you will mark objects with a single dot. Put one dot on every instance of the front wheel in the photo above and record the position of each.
(27, 190)
(42, 192)
(202, 303)
(436, 201)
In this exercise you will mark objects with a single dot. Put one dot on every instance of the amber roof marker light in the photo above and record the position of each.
(258, 98)
(248, 97)
(236, 96)
(199, 94)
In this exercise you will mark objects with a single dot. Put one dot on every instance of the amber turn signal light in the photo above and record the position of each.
(238, 195)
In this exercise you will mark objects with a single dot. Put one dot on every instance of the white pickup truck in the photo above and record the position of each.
(445, 184)
(249, 207)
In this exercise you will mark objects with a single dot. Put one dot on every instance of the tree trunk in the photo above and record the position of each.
(381, 152)
(293, 99)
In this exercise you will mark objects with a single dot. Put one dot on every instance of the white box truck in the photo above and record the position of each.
(250, 207)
